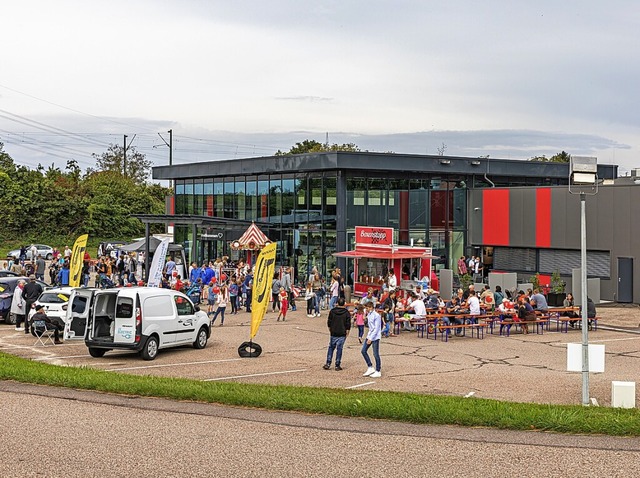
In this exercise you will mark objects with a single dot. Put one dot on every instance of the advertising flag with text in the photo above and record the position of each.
(77, 255)
(262, 275)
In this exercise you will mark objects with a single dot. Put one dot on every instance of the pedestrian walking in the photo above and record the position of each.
(339, 323)
(373, 340)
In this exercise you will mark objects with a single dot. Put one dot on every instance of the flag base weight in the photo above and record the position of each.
(249, 349)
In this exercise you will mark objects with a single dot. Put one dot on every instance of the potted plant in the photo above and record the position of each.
(535, 280)
(557, 293)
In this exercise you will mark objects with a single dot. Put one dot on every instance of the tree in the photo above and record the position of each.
(138, 166)
(562, 157)
(312, 146)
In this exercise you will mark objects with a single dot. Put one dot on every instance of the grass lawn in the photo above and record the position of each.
(404, 407)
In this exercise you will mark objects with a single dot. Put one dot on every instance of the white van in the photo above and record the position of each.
(144, 319)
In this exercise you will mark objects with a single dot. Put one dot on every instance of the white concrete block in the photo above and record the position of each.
(623, 394)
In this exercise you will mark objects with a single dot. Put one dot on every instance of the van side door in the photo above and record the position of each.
(159, 316)
(125, 321)
(186, 323)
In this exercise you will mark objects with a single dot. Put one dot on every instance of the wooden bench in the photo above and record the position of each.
(562, 323)
(540, 323)
(445, 330)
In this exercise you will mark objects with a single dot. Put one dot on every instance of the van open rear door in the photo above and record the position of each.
(78, 313)
(125, 320)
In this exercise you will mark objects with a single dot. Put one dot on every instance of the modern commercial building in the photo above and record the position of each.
(311, 203)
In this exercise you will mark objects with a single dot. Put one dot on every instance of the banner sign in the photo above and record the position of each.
(263, 274)
(380, 236)
(77, 256)
(157, 265)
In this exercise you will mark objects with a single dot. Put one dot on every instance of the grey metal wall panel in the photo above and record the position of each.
(559, 217)
(522, 217)
(474, 212)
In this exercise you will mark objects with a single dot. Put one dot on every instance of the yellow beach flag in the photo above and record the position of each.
(77, 256)
(262, 275)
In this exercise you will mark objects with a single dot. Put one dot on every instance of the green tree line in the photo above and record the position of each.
(40, 205)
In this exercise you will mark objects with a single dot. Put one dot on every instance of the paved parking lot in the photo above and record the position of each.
(526, 368)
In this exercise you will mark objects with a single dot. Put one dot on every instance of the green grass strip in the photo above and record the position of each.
(404, 407)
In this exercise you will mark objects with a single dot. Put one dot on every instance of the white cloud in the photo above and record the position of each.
(562, 72)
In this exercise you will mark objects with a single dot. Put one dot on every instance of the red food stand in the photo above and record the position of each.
(375, 254)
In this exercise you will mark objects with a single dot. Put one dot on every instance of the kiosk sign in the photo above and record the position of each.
(379, 236)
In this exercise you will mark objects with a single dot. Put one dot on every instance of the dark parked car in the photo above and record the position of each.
(7, 287)
(8, 274)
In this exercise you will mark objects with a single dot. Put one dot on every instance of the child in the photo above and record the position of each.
(310, 296)
(213, 298)
(205, 293)
(359, 318)
(284, 303)
(233, 296)
(221, 300)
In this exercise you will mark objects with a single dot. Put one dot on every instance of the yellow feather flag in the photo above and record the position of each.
(262, 275)
(77, 256)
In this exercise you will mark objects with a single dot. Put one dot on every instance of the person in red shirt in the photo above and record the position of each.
(284, 303)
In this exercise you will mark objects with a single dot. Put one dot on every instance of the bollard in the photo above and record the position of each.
(623, 394)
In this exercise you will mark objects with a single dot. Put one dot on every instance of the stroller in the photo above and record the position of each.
(104, 282)
(194, 293)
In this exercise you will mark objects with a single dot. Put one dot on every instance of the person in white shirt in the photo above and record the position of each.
(393, 281)
(474, 305)
(416, 310)
(373, 340)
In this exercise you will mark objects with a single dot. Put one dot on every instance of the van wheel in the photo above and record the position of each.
(97, 353)
(201, 339)
(150, 349)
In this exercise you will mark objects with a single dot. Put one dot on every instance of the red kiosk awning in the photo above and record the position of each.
(387, 253)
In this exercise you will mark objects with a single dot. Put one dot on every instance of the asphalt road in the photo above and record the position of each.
(90, 434)
(66, 433)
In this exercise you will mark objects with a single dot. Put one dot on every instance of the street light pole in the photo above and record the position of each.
(583, 176)
(583, 295)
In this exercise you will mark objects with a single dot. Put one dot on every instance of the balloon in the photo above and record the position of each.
(216, 290)
(214, 280)
(223, 277)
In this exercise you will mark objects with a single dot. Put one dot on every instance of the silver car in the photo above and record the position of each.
(45, 251)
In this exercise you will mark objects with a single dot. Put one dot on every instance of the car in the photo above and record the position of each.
(55, 302)
(45, 251)
(8, 274)
(7, 287)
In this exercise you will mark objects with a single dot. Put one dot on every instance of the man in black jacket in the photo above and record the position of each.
(49, 323)
(30, 294)
(339, 323)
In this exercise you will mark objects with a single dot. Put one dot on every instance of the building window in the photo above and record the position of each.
(180, 206)
(208, 197)
(263, 197)
(275, 199)
(239, 201)
(188, 196)
(229, 193)
(218, 197)
(198, 193)
(252, 198)
(329, 213)
(377, 202)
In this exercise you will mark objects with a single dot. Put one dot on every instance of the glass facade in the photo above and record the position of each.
(299, 212)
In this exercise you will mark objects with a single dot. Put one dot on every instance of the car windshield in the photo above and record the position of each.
(54, 298)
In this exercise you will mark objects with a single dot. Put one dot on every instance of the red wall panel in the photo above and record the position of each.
(495, 217)
(543, 217)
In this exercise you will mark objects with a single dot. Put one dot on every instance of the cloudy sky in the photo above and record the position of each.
(509, 79)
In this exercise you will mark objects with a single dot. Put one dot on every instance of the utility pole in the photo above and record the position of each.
(170, 145)
(124, 149)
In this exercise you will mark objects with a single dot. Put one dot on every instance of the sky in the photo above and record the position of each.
(509, 79)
